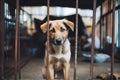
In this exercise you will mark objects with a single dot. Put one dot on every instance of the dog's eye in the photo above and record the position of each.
(52, 30)
(62, 29)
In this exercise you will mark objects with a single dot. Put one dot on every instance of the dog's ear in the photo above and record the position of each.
(69, 24)
(44, 27)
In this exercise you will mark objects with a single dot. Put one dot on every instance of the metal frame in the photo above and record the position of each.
(17, 40)
(48, 5)
(113, 40)
(16, 57)
(76, 41)
(101, 27)
(93, 41)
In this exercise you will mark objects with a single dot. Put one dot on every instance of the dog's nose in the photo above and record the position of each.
(58, 40)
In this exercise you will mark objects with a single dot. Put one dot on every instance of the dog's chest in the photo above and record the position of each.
(58, 60)
(60, 56)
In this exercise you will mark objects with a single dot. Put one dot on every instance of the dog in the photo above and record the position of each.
(59, 48)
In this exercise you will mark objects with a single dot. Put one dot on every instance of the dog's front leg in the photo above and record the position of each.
(51, 72)
(66, 71)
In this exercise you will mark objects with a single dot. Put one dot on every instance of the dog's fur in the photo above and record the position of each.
(59, 48)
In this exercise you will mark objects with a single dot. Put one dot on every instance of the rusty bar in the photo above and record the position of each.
(113, 40)
(101, 28)
(106, 34)
(19, 57)
(2, 39)
(48, 6)
(76, 40)
(106, 28)
(93, 40)
(16, 40)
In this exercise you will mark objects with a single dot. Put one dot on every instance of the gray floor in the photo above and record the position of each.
(32, 71)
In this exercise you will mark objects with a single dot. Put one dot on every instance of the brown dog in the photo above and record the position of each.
(59, 48)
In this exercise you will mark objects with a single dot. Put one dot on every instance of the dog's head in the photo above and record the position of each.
(58, 30)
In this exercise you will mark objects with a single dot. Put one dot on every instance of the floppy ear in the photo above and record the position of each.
(44, 27)
(69, 24)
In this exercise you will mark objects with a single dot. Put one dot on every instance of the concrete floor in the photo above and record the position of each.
(32, 71)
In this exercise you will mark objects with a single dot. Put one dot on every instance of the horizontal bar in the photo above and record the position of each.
(109, 12)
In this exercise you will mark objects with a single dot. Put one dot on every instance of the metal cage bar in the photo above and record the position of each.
(2, 77)
(76, 40)
(101, 27)
(16, 41)
(19, 57)
(48, 6)
(113, 40)
(93, 40)
(108, 2)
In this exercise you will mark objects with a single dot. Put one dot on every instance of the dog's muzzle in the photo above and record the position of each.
(58, 41)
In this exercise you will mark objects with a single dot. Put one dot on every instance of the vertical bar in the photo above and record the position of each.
(113, 40)
(2, 39)
(106, 32)
(109, 7)
(106, 29)
(76, 40)
(19, 57)
(107, 19)
(93, 40)
(48, 6)
(101, 28)
(119, 25)
(16, 40)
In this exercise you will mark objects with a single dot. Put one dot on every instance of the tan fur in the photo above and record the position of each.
(59, 54)
(69, 23)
